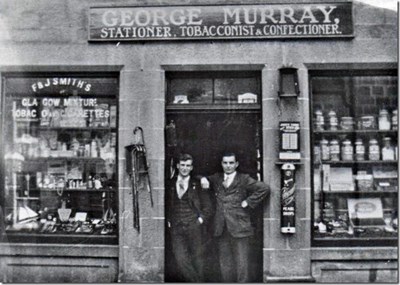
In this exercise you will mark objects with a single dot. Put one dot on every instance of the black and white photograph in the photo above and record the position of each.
(199, 141)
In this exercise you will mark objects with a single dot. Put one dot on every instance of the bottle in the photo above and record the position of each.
(319, 120)
(373, 150)
(395, 122)
(90, 182)
(97, 183)
(360, 150)
(333, 121)
(334, 150)
(325, 153)
(317, 152)
(93, 148)
(347, 150)
(39, 179)
(384, 122)
(387, 149)
(75, 146)
(87, 150)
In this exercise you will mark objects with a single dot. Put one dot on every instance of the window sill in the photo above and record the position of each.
(353, 253)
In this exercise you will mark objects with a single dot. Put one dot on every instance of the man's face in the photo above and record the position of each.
(229, 164)
(185, 167)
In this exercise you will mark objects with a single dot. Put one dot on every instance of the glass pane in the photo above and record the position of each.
(190, 91)
(355, 158)
(60, 165)
(236, 90)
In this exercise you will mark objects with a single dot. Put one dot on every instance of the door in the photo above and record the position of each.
(206, 135)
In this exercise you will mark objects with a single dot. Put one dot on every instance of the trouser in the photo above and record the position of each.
(187, 248)
(234, 258)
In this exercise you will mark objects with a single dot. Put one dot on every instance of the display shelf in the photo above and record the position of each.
(386, 210)
(56, 237)
(40, 160)
(350, 132)
(80, 129)
(27, 198)
(361, 193)
(351, 162)
(76, 190)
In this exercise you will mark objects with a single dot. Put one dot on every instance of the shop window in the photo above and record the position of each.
(213, 88)
(59, 143)
(355, 158)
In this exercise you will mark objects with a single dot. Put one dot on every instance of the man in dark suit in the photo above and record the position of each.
(235, 194)
(188, 210)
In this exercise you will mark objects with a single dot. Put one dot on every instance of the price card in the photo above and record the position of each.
(80, 216)
(290, 141)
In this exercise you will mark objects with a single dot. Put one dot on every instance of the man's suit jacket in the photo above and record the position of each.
(199, 199)
(228, 203)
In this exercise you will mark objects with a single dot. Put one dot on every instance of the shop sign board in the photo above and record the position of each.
(73, 111)
(57, 101)
(64, 85)
(218, 22)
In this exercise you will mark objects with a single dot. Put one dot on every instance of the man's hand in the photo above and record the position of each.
(205, 184)
(244, 204)
(200, 219)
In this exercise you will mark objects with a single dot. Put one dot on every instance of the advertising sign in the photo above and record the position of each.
(217, 22)
(288, 203)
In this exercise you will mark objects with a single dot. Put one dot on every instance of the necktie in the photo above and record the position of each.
(181, 189)
(226, 181)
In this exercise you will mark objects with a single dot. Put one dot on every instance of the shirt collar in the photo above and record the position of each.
(183, 179)
(229, 176)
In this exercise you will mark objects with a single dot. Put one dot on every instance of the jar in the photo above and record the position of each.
(387, 149)
(334, 150)
(46, 181)
(319, 120)
(347, 150)
(373, 150)
(317, 152)
(325, 153)
(384, 121)
(333, 121)
(75, 146)
(347, 123)
(359, 150)
(367, 123)
(395, 122)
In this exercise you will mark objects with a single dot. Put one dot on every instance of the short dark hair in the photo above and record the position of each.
(225, 154)
(185, 157)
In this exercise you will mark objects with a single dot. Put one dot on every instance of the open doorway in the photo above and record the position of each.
(206, 134)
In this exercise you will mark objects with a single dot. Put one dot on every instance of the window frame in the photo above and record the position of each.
(213, 75)
(342, 70)
(31, 72)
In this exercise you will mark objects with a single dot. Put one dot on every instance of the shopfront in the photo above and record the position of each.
(89, 90)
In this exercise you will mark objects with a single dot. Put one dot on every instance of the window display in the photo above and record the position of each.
(59, 146)
(355, 154)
